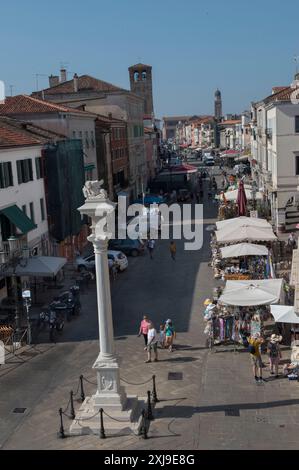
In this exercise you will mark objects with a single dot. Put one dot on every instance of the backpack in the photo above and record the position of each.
(251, 349)
(273, 349)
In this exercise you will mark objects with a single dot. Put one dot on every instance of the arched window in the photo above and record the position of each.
(143, 75)
(136, 76)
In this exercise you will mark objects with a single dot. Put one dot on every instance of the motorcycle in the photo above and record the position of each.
(55, 323)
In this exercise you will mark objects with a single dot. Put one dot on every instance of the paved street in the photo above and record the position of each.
(192, 412)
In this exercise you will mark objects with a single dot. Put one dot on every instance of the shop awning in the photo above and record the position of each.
(243, 249)
(252, 292)
(40, 266)
(18, 218)
(284, 314)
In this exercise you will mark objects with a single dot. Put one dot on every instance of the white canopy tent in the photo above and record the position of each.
(243, 249)
(41, 266)
(237, 222)
(245, 233)
(251, 292)
(284, 314)
(232, 195)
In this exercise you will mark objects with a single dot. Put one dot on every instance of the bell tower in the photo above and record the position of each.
(141, 84)
(218, 105)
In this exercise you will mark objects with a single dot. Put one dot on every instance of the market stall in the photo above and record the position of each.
(242, 221)
(241, 310)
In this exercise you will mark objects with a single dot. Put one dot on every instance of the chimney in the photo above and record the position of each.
(63, 75)
(53, 80)
(76, 82)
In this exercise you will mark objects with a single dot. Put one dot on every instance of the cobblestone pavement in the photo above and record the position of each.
(194, 412)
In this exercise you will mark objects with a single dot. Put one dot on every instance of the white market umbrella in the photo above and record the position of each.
(232, 195)
(284, 314)
(237, 222)
(243, 249)
(245, 233)
(251, 292)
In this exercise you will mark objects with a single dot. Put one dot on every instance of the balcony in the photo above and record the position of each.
(269, 133)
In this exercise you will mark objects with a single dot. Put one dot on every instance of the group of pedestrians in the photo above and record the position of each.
(273, 351)
(151, 243)
(152, 339)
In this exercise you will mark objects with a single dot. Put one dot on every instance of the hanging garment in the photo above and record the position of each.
(229, 327)
(221, 322)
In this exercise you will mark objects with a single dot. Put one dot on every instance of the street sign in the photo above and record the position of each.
(26, 294)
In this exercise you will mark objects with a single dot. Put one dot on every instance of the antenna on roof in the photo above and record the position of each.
(37, 75)
(11, 88)
(296, 60)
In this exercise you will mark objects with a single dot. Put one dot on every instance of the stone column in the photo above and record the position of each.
(100, 209)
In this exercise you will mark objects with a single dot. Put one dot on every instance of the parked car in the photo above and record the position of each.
(209, 161)
(128, 246)
(119, 259)
(87, 263)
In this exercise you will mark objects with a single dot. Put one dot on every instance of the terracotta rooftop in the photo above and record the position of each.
(85, 82)
(21, 104)
(231, 122)
(282, 95)
(15, 133)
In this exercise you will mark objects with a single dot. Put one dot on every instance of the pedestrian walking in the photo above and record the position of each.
(143, 329)
(150, 247)
(169, 335)
(255, 354)
(274, 353)
(172, 250)
(162, 335)
(152, 343)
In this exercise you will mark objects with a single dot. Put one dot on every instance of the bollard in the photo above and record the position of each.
(82, 389)
(102, 430)
(61, 430)
(149, 413)
(154, 393)
(72, 404)
(143, 430)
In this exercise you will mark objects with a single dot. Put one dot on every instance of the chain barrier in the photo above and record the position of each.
(77, 391)
(130, 383)
(115, 419)
(87, 419)
(89, 381)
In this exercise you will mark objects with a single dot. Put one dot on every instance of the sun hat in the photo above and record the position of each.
(275, 338)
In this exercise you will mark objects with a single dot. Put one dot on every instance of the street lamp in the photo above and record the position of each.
(16, 258)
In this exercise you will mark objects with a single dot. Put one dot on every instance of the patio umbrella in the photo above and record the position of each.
(284, 314)
(244, 233)
(243, 249)
(250, 292)
(241, 199)
(238, 222)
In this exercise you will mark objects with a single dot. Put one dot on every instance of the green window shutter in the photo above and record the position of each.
(19, 171)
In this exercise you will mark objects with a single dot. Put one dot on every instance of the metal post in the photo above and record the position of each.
(17, 313)
(82, 389)
(154, 392)
(29, 335)
(72, 404)
(149, 413)
(102, 430)
(61, 430)
(143, 430)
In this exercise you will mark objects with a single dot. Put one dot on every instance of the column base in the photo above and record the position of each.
(121, 418)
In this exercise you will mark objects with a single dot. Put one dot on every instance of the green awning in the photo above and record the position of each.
(18, 218)
(89, 167)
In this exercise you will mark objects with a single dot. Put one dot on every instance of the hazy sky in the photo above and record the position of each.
(194, 46)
